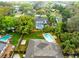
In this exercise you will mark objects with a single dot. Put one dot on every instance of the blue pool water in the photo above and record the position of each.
(5, 38)
(48, 37)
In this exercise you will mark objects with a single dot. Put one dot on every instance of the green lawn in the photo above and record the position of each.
(35, 35)
(15, 38)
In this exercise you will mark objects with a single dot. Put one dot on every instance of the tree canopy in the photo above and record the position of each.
(25, 24)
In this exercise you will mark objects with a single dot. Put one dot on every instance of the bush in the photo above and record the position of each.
(48, 28)
(69, 42)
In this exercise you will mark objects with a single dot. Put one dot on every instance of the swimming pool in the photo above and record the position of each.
(5, 38)
(48, 37)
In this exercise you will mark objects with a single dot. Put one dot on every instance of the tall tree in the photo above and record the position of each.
(1, 24)
(73, 23)
(8, 23)
(25, 24)
(65, 12)
(69, 42)
(51, 12)
(27, 8)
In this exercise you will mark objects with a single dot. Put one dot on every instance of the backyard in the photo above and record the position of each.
(30, 20)
(21, 49)
(34, 35)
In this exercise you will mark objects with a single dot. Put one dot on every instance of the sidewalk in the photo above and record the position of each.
(16, 56)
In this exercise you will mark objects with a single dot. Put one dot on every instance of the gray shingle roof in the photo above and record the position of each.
(38, 18)
(43, 49)
(2, 46)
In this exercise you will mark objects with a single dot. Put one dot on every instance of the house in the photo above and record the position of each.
(6, 50)
(58, 19)
(5, 46)
(40, 21)
(2, 48)
(43, 49)
(16, 8)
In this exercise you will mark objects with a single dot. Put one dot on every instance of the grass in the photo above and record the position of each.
(15, 38)
(35, 35)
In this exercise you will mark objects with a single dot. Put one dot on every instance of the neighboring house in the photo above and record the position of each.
(64, 4)
(2, 48)
(42, 49)
(5, 50)
(16, 8)
(58, 19)
(40, 21)
(5, 47)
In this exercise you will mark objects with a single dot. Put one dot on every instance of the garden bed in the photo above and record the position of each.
(21, 50)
